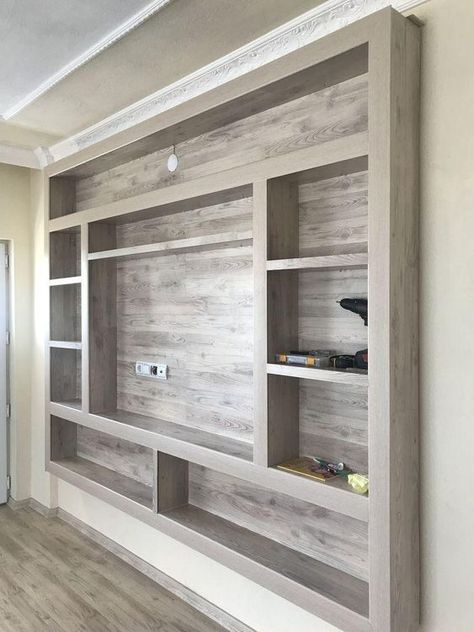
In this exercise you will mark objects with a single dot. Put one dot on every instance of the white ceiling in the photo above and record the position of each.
(42, 41)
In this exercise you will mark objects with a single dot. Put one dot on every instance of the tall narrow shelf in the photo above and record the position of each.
(289, 196)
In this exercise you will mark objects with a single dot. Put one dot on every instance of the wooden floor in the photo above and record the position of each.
(53, 578)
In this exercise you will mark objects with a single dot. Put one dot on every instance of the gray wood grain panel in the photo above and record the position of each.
(173, 482)
(62, 196)
(63, 438)
(322, 323)
(314, 119)
(324, 535)
(65, 374)
(334, 423)
(65, 312)
(65, 253)
(321, 578)
(130, 459)
(231, 216)
(333, 215)
(193, 312)
(104, 476)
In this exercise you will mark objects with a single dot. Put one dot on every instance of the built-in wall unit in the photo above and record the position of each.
(188, 254)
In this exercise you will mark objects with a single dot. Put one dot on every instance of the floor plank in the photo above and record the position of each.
(53, 578)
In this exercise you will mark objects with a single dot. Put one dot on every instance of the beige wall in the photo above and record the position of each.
(15, 226)
(447, 394)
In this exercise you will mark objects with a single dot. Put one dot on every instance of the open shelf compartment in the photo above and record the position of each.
(118, 465)
(331, 558)
(65, 253)
(66, 376)
(190, 310)
(65, 312)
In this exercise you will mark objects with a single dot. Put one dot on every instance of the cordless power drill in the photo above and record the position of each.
(358, 306)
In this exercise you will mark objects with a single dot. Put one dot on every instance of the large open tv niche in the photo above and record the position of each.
(296, 186)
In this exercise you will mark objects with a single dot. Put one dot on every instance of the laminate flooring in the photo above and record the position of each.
(54, 578)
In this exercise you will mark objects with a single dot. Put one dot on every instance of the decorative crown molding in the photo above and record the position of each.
(19, 156)
(305, 29)
(93, 51)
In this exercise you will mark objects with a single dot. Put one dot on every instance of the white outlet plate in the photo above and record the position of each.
(152, 369)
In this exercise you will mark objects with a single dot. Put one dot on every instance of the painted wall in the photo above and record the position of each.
(15, 226)
(447, 394)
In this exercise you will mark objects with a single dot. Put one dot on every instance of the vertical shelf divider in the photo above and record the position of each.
(260, 323)
(85, 316)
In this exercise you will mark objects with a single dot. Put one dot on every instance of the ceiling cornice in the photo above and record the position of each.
(93, 51)
(20, 156)
(309, 27)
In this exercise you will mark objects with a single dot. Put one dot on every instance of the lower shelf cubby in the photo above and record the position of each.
(115, 464)
(317, 549)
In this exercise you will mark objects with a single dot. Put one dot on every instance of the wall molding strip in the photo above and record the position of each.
(305, 29)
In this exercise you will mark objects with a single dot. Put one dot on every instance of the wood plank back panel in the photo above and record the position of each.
(66, 371)
(333, 215)
(124, 457)
(231, 216)
(194, 312)
(314, 119)
(324, 535)
(65, 309)
(334, 422)
(65, 254)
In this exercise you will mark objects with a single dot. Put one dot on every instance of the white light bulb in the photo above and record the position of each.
(173, 162)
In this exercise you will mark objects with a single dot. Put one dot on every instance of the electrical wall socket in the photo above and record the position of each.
(150, 369)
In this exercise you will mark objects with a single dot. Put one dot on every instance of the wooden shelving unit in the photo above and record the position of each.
(296, 187)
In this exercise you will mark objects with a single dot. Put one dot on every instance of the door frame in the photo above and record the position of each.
(4, 372)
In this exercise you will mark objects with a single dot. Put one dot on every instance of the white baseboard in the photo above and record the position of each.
(168, 583)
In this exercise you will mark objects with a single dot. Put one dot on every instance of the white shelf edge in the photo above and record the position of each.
(76, 280)
(175, 245)
(327, 262)
(323, 375)
(64, 344)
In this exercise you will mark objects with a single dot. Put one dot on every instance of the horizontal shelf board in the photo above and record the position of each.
(118, 483)
(344, 148)
(176, 245)
(76, 280)
(324, 375)
(340, 587)
(64, 344)
(144, 432)
(327, 262)
(187, 434)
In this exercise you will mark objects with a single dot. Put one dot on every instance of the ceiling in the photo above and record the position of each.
(39, 38)
(41, 41)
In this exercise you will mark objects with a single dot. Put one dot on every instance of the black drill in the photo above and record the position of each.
(356, 305)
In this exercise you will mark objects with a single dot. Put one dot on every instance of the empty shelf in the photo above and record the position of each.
(336, 585)
(218, 443)
(325, 375)
(123, 485)
(176, 245)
